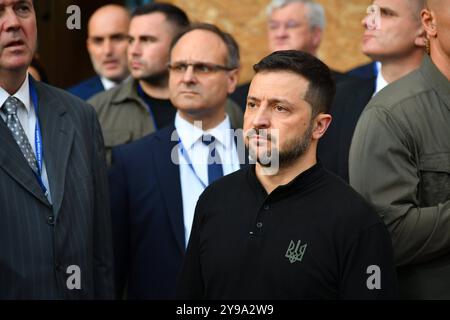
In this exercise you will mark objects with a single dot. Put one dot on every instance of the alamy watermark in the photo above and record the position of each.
(374, 280)
(73, 22)
(74, 280)
(263, 147)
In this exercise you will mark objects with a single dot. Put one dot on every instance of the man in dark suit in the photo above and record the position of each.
(398, 44)
(55, 230)
(155, 182)
(107, 46)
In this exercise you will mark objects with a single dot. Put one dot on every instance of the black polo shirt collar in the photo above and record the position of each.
(300, 183)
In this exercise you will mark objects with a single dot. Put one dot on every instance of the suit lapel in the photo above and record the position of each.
(97, 85)
(57, 139)
(168, 175)
(14, 163)
(169, 180)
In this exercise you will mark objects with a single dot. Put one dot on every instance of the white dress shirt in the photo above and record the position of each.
(197, 151)
(381, 82)
(108, 84)
(27, 118)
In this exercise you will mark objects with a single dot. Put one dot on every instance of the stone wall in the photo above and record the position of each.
(246, 21)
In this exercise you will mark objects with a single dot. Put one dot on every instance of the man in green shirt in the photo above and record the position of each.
(400, 161)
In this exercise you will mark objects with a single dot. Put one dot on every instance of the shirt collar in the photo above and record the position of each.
(436, 79)
(190, 134)
(296, 186)
(108, 84)
(23, 94)
(381, 82)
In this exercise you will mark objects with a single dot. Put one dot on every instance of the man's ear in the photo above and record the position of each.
(321, 124)
(429, 23)
(233, 77)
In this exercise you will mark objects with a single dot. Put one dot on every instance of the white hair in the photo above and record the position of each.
(315, 12)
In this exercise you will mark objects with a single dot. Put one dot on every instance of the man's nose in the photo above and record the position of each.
(10, 20)
(134, 48)
(107, 47)
(281, 31)
(262, 117)
(189, 75)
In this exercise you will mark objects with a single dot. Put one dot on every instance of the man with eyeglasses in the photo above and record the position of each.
(155, 182)
(107, 46)
(292, 25)
(141, 106)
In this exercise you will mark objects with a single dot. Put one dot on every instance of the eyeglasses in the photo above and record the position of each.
(290, 24)
(198, 67)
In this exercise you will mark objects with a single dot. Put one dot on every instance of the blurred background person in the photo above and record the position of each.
(292, 25)
(107, 44)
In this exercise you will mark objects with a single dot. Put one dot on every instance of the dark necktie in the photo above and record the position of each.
(12, 122)
(215, 170)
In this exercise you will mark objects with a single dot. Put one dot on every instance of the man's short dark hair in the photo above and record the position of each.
(321, 88)
(233, 56)
(173, 14)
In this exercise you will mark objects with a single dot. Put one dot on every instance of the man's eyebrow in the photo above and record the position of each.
(279, 100)
(29, 2)
(388, 10)
(271, 101)
(147, 37)
(118, 35)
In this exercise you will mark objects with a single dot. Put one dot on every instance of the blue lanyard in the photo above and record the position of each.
(38, 139)
(147, 102)
(188, 160)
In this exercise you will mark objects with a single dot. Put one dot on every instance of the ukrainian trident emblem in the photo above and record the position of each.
(295, 251)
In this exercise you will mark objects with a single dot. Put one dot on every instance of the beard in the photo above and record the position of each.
(292, 150)
(296, 148)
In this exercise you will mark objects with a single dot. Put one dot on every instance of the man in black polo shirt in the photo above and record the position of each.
(285, 228)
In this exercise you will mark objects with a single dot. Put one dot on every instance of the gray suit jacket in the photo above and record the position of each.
(39, 241)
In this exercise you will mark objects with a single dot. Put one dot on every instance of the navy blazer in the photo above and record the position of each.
(350, 101)
(147, 215)
(366, 71)
(87, 88)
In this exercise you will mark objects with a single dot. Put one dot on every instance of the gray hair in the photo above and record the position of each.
(315, 11)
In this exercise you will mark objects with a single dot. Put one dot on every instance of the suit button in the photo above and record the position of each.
(266, 207)
(51, 220)
(259, 225)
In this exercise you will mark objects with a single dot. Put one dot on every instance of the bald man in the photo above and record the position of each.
(107, 46)
(400, 161)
